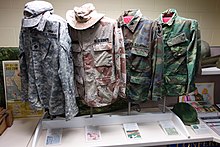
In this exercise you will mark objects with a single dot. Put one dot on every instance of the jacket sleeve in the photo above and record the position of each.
(23, 66)
(66, 73)
(193, 55)
(120, 60)
(157, 62)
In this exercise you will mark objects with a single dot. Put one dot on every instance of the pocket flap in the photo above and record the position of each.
(102, 46)
(139, 80)
(103, 81)
(140, 51)
(178, 39)
(178, 51)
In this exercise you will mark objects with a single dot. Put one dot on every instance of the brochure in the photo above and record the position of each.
(53, 137)
(200, 128)
(168, 127)
(132, 131)
(92, 133)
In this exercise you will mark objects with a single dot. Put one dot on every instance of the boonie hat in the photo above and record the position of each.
(33, 12)
(186, 113)
(83, 17)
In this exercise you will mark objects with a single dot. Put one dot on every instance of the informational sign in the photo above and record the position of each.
(12, 85)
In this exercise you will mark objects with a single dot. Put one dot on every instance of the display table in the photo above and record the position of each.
(210, 71)
(152, 135)
(20, 135)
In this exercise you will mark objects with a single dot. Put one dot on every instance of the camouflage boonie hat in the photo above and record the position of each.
(83, 17)
(186, 113)
(33, 12)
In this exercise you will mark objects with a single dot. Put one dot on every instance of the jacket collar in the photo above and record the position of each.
(172, 19)
(134, 21)
(41, 25)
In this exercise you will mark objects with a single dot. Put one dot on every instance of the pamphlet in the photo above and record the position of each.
(53, 136)
(200, 128)
(92, 133)
(132, 131)
(168, 127)
(213, 122)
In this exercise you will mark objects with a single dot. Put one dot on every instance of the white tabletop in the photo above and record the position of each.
(20, 133)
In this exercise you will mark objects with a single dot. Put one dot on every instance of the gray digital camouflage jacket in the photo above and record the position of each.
(99, 59)
(46, 62)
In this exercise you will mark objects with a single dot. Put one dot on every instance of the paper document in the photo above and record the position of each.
(53, 136)
(92, 133)
(200, 128)
(168, 127)
(132, 131)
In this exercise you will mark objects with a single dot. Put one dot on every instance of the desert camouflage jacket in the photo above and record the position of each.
(99, 59)
(46, 66)
(143, 46)
(182, 47)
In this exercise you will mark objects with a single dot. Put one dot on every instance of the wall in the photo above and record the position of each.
(205, 11)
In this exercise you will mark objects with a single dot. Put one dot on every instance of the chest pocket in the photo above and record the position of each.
(178, 45)
(52, 30)
(103, 54)
(77, 54)
(40, 50)
(139, 59)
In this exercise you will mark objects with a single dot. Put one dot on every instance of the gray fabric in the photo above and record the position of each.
(33, 12)
(47, 67)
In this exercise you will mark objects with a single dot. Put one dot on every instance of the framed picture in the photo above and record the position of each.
(12, 85)
(206, 90)
(12, 80)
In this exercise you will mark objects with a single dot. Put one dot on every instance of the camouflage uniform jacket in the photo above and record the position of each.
(99, 59)
(143, 46)
(46, 66)
(182, 47)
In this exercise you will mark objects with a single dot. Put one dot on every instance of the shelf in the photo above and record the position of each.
(211, 71)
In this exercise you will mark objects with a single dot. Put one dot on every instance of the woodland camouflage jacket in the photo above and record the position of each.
(144, 50)
(182, 47)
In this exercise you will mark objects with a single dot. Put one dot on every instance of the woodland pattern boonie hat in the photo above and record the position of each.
(83, 17)
(186, 113)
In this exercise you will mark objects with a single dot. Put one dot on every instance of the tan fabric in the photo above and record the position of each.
(99, 59)
(83, 17)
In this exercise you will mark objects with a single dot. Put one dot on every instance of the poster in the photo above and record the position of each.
(12, 85)
(207, 92)
(202, 99)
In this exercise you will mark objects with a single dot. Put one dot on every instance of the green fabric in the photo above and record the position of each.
(6, 53)
(182, 48)
(186, 113)
(143, 46)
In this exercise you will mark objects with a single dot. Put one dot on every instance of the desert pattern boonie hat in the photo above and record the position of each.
(186, 113)
(33, 12)
(83, 17)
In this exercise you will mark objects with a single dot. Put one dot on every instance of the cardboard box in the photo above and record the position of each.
(9, 118)
(3, 125)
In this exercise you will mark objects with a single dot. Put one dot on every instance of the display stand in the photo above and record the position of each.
(110, 119)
